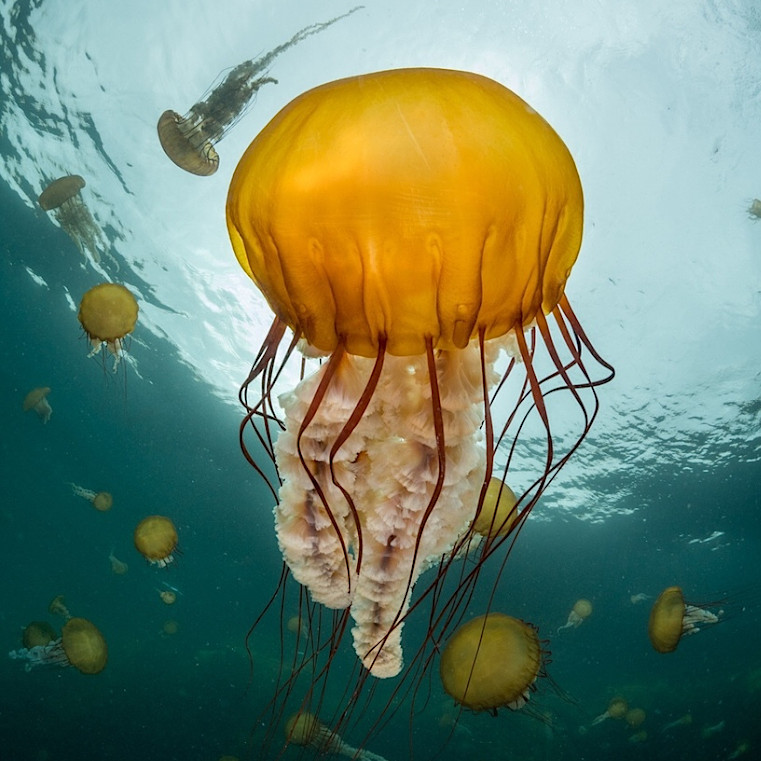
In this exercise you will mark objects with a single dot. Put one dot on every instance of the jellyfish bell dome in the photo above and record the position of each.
(582, 608)
(84, 645)
(38, 633)
(490, 662)
(635, 716)
(156, 539)
(197, 156)
(37, 400)
(108, 312)
(103, 501)
(498, 513)
(61, 190)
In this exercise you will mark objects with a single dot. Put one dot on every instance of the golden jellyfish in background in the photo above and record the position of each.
(168, 596)
(38, 633)
(413, 226)
(58, 607)
(498, 512)
(671, 618)
(81, 645)
(63, 199)
(634, 717)
(108, 314)
(306, 729)
(581, 610)
(754, 210)
(492, 662)
(102, 501)
(156, 540)
(170, 627)
(189, 140)
(118, 567)
(616, 709)
(37, 400)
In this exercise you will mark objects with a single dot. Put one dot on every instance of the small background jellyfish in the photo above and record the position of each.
(156, 540)
(102, 501)
(754, 210)
(37, 400)
(581, 610)
(306, 729)
(616, 709)
(189, 140)
(81, 645)
(63, 199)
(108, 314)
(671, 618)
(118, 567)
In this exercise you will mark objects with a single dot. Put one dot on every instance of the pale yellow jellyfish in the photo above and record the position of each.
(189, 140)
(156, 540)
(62, 197)
(498, 512)
(634, 717)
(38, 633)
(168, 596)
(581, 610)
(638, 598)
(306, 729)
(671, 618)
(58, 607)
(108, 313)
(616, 709)
(117, 566)
(102, 501)
(754, 210)
(170, 627)
(37, 400)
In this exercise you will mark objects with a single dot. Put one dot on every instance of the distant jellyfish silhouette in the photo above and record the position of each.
(671, 618)
(62, 197)
(306, 729)
(491, 662)
(58, 607)
(118, 567)
(616, 709)
(754, 210)
(170, 627)
(168, 596)
(189, 140)
(38, 633)
(37, 400)
(102, 501)
(581, 610)
(156, 540)
(638, 598)
(81, 645)
(108, 313)
(683, 721)
(634, 717)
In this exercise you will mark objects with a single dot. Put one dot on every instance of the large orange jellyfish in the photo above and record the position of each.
(491, 662)
(414, 229)
(108, 314)
(189, 140)
(156, 540)
(671, 618)
(81, 645)
(37, 400)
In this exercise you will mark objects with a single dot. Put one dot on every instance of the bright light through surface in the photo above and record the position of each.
(658, 103)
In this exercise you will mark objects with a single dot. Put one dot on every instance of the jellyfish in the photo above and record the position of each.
(189, 140)
(616, 709)
(682, 721)
(58, 607)
(413, 229)
(168, 596)
(38, 633)
(581, 610)
(108, 313)
(156, 540)
(170, 627)
(638, 737)
(634, 717)
(117, 566)
(491, 662)
(498, 512)
(81, 645)
(62, 197)
(100, 500)
(306, 729)
(37, 400)
(671, 618)
(754, 210)
(638, 598)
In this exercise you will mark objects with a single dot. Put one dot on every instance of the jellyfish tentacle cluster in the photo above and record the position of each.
(306, 729)
(189, 140)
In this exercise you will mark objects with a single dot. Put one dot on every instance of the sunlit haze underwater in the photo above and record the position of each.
(660, 105)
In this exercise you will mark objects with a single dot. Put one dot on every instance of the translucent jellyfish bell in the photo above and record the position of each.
(62, 198)
(306, 729)
(189, 140)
